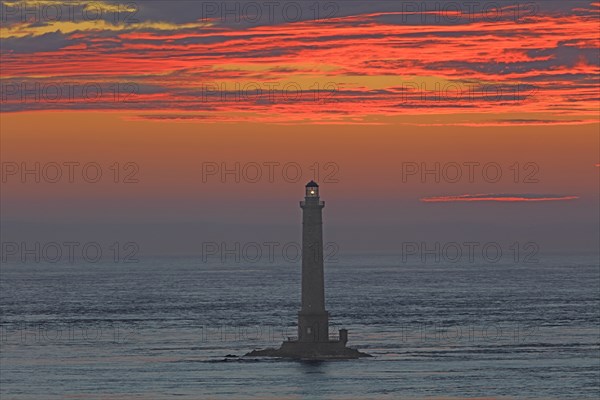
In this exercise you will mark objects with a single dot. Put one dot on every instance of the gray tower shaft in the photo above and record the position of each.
(313, 320)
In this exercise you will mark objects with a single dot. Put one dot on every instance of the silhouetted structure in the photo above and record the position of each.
(313, 340)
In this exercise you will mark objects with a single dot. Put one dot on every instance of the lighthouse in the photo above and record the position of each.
(313, 341)
(313, 319)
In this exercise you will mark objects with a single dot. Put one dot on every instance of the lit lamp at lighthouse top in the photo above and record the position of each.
(312, 189)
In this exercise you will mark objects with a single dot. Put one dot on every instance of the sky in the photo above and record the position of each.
(176, 123)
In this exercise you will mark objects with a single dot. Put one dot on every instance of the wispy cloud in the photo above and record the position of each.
(503, 197)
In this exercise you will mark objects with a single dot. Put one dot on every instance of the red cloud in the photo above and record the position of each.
(497, 197)
(378, 65)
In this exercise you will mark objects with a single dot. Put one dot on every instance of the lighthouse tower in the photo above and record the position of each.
(313, 320)
(313, 341)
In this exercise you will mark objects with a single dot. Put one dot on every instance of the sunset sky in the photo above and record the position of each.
(461, 122)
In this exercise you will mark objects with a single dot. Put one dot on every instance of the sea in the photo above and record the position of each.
(178, 328)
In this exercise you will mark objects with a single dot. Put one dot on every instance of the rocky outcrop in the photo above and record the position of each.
(311, 351)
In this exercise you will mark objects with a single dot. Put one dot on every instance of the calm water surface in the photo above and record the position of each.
(162, 328)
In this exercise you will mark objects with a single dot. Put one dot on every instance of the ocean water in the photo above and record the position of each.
(162, 328)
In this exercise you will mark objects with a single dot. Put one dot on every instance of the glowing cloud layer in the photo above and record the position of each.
(363, 62)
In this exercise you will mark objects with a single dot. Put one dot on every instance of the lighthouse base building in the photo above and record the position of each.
(313, 341)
